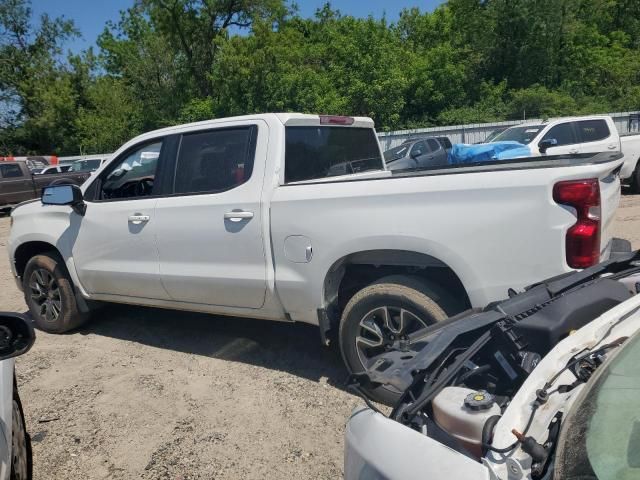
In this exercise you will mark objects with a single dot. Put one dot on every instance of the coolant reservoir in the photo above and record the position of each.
(462, 413)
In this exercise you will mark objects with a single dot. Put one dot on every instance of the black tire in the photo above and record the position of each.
(50, 296)
(21, 455)
(635, 179)
(423, 303)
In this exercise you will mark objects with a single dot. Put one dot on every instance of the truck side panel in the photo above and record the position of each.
(15, 183)
(630, 145)
(495, 230)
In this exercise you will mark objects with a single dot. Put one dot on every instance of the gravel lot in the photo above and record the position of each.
(155, 394)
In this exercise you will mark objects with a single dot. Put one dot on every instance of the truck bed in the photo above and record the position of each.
(493, 224)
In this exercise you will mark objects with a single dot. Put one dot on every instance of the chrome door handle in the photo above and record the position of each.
(238, 215)
(137, 219)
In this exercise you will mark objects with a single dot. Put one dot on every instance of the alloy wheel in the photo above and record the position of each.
(387, 328)
(45, 293)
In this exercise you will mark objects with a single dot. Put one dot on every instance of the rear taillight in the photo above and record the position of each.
(335, 120)
(583, 238)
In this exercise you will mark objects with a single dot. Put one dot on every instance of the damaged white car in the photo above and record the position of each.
(544, 385)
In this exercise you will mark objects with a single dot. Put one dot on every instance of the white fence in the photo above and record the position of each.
(477, 132)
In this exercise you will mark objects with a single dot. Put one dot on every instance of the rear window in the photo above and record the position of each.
(593, 130)
(444, 141)
(320, 152)
(434, 145)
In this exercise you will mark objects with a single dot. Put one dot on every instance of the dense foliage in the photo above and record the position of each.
(171, 61)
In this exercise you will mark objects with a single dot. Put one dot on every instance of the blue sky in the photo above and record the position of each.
(91, 16)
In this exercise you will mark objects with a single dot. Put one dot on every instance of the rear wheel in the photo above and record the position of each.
(48, 291)
(382, 316)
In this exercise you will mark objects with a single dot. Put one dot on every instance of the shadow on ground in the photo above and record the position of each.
(290, 347)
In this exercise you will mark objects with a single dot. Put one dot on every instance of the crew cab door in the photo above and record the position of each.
(114, 251)
(566, 138)
(210, 229)
(438, 152)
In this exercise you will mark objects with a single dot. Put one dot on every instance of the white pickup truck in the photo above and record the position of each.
(294, 217)
(579, 135)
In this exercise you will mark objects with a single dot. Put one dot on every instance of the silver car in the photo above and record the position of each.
(417, 154)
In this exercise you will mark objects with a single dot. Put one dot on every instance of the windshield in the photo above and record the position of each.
(396, 152)
(602, 438)
(493, 135)
(524, 134)
(85, 165)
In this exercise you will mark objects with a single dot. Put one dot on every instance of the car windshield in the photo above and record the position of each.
(524, 134)
(602, 436)
(493, 135)
(397, 152)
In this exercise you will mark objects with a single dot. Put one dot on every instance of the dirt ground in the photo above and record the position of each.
(154, 394)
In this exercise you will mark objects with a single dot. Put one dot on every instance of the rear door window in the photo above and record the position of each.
(215, 160)
(563, 133)
(10, 171)
(433, 144)
(593, 130)
(320, 152)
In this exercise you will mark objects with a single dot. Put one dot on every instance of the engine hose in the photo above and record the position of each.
(486, 445)
(487, 432)
(471, 373)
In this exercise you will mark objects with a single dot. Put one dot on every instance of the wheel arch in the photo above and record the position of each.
(354, 271)
(26, 251)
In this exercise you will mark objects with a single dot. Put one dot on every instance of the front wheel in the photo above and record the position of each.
(48, 291)
(381, 317)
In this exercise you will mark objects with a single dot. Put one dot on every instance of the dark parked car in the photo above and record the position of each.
(417, 153)
(18, 183)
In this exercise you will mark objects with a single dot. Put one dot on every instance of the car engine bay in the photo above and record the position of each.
(466, 371)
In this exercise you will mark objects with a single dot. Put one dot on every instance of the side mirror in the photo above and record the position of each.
(416, 154)
(16, 335)
(64, 195)
(547, 143)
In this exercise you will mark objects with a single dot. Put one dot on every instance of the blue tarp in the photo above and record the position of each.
(487, 152)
